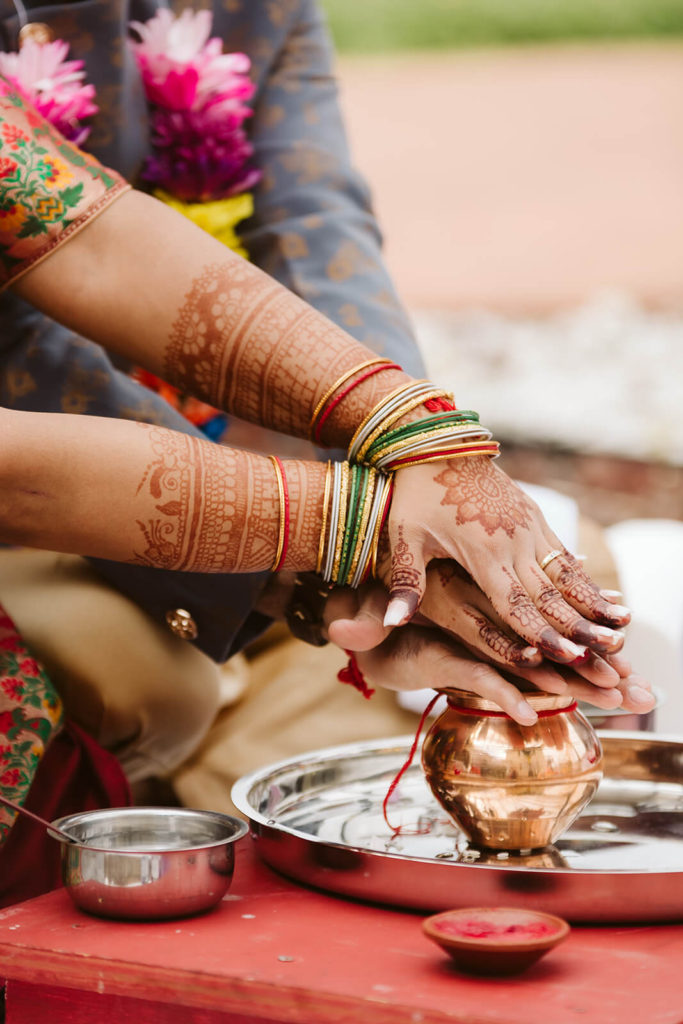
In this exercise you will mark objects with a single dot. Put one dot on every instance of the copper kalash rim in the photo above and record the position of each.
(465, 700)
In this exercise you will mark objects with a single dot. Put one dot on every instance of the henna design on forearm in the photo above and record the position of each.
(214, 509)
(482, 493)
(247, 345)
(306, 484)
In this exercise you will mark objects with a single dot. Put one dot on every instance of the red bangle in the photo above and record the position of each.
(439, 405)
(342, 394)
(485, 448)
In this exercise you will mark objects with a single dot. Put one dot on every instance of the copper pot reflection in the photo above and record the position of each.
(511, 786)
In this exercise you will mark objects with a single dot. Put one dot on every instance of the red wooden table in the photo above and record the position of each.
(277, 953)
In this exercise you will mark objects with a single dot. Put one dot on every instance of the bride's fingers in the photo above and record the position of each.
(483, 637)
(565, 618)
(454, 604)
(578, 589)
(516, 608)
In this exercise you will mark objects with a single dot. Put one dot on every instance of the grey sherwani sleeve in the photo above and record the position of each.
(313, 230)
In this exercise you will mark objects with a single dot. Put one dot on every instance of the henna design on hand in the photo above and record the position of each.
(482, 493)
(449, 570)
(552, 605)
(405, 578)
(575, 583)
(503, 647)
(522, 609)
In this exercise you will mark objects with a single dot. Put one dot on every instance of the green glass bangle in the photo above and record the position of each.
(354, 516)
(353, 489)
(422, 426)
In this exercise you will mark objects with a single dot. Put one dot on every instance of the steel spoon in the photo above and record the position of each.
(57, 833)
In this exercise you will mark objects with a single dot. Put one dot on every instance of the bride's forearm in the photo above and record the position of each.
(146, 495)
(148, 284)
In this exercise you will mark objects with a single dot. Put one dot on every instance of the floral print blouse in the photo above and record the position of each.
(49, 189)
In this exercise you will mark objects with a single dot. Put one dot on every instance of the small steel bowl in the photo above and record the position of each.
(147, 863)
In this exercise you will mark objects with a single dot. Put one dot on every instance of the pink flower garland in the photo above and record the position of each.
(54, 85)
(197, 96)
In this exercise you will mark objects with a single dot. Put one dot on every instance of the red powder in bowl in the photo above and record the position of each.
(501, 928)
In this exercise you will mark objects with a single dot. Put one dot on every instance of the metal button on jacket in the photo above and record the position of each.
(182, 624)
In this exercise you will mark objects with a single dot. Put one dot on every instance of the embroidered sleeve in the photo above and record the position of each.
(30, 716)
(49, 189)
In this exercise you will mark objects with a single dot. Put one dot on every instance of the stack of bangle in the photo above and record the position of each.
(445, 435)
(355, 505)
(333, 396)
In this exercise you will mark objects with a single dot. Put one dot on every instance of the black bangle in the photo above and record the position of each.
(304, 612)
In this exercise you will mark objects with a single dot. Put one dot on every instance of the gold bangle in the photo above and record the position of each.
(379, 524)
(342, 380)
(383, 401)
(394, 416)
(281, 498)
(323, 527)
(341, 521)
(427, 435)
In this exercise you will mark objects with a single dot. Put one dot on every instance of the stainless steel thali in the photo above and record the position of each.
(318, 819)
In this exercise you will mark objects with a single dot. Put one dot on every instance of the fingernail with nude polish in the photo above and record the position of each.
(607, 636)
(611, 595)
(621, 610)
(573, 650)
(529, 652)
(397, 611)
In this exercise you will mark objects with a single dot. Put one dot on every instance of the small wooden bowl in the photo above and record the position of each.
(495, 940)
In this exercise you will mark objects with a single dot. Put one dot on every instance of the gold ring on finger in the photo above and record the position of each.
(547, 559)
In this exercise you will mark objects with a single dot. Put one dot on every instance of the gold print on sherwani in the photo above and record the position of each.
(210, 513)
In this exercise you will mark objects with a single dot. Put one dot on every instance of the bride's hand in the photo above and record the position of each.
(469, 510)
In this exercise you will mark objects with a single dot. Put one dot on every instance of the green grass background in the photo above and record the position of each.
(375, 26)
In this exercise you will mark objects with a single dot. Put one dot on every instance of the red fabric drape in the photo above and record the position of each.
(75, 774)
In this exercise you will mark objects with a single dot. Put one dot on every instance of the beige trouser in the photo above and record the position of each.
(166, 709)
(136, 688)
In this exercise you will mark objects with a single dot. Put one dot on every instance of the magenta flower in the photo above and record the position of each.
(198, 96)
(55, 86)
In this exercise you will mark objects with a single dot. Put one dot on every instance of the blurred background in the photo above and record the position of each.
(526, 160)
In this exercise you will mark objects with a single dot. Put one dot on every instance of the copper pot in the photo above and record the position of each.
(511, 786)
